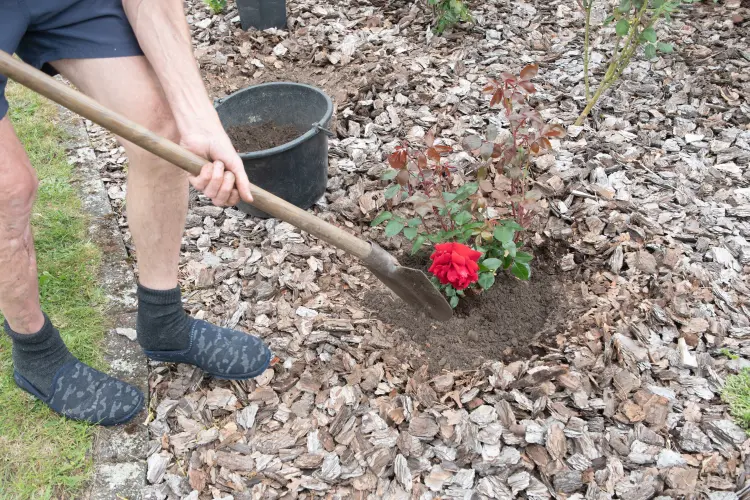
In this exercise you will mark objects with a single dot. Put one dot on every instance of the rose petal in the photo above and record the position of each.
(457, 259)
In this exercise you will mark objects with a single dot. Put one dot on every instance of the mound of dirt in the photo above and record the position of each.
(267, 135)
(511, 321)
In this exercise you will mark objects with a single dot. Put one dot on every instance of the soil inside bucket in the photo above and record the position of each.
(511, 321)
(266, 135)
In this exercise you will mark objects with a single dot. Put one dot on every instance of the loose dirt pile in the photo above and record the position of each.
(250, 138)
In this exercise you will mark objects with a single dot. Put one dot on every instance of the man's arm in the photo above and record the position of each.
(164, 37)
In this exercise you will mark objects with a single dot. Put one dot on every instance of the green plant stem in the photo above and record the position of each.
(620, 60)
(588, 7)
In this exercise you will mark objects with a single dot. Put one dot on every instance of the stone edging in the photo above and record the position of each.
(119, 453)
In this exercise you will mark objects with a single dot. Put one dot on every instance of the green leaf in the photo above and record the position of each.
(511, 249)
(624, 6)
(491, 264)
(521, 270)
(389, 174)
(392, 191)
(393, 228)
(416, 221)
(382, 216)
(649, 34)
(608, 19)
(513, 225)
(486, 280)
(503, 234)
(450, 291)
(418, 243)
(665, 47)
(454, 302)
(462, 218)
(467, 189)
(410, 232)
(449, 196)
(622, 27)
(650, 51)
(523, 257)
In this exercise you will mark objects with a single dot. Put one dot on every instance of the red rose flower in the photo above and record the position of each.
(456, 264)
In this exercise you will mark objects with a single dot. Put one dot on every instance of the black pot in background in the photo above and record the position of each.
(262, 14)
(298, 170)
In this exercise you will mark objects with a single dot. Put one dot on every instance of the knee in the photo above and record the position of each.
(159, 118)
(17, 195)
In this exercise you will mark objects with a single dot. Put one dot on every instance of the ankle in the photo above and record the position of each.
(28, 323)
(162, 323)
(39, 355)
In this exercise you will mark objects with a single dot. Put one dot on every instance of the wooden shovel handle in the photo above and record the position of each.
(88, 108)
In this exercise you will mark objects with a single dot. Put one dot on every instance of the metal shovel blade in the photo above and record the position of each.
(411, 285)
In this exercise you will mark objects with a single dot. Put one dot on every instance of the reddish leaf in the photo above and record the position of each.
(489, 88)
(397, 160)
(508, 106)
(442, 149)
(508, 78)
(517, 97)
(497, 150)
(529, 72)
(545, 142)
(433, 154)
(534, 147)
(421, 161)
(555, 131)
(527, 86)
(496, 97)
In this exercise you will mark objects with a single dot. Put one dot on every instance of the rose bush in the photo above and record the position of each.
(455, 264)
(475, 215)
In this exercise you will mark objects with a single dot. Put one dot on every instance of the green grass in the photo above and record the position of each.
(43, 455)
(737, 394)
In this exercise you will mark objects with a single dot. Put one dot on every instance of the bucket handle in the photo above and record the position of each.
(321, 128)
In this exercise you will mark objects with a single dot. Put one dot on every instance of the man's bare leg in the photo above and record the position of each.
(43, 365)
(157, 194)
(19, 286)
(157, 206)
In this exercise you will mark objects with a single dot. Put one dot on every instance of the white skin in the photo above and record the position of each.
(162, 91)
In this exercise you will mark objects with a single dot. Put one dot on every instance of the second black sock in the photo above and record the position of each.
(162, 323)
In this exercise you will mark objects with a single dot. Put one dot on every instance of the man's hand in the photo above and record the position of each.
(224, 180)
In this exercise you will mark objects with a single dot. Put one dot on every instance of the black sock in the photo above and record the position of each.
(162, 323)
(38, 356)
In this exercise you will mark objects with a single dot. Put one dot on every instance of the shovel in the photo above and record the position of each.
(411, 285)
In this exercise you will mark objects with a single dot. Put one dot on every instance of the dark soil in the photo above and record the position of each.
(250, 138)
(513, 320)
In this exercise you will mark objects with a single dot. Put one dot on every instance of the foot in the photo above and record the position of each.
(220, 352)
(48, 371)
(167, 333)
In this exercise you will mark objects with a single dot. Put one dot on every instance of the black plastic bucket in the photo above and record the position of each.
(298, 170)
(262, 14)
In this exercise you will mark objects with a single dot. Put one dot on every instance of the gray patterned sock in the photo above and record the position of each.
(162, 323)
(38, 356)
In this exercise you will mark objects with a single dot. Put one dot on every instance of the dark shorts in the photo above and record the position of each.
(42, 31)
